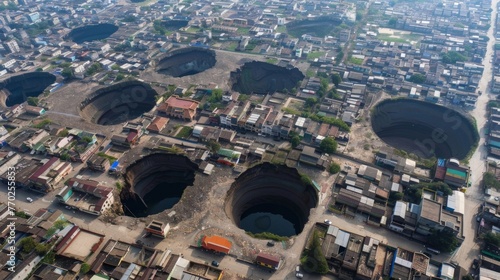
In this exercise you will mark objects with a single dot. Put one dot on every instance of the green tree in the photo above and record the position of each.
(313, 259)
(334, 168)
(417, 78)
(490, 181)
(67, 73)
(453, 57)
(336, 79)
(444, 240)
(392, 22)
(216, 96)
(119, 77)
(467, 277)
(42, 249)
(84, 268)
(492, 238)
(28, 244)
(295, 140)
(310, 102)
(33, 101)
(328, 145)
(213, 146)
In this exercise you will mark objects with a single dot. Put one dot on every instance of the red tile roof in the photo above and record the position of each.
(158, 124)
(177, 102)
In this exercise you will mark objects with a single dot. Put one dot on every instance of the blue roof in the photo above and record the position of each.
(441, 162)
(494, 143)
(114, 165)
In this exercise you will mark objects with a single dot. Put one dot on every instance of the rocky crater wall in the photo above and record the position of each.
(152, 171)
(269, 184)
(118, 103)
(424, 129)
(187, 61)
(91, 32)
(16, 89)
(262, 77)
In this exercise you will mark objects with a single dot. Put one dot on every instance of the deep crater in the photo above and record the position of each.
(270, 198)
(424, 129)
(318, 26)
(262, 77)
(118, 103)
(91, 32)
(16, 89)
(155, 183)
(186, 61)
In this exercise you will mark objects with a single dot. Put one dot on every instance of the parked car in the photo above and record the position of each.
(215, 263)
(29, 199)
(270, 243)
(328, 222)
(299, 275)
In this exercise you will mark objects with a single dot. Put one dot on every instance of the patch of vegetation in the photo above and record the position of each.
(33, 101)
(492, 238)
(314, 55)
(21, 214)
(418, 78)
(328, 145)
(213, 146)
(272, 60)
(313, 260)
(268, 235)
(414, 192)
(444, 240)
(185, 132)
(85, 268)
(355, 60)
(334, 168)
(490, 181)
(291, 111)
(43, 123)
(93, 69)
(453, 57)
(119, 186)
(104, 155)
(306, 180)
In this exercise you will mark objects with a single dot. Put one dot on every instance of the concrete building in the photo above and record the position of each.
(87, 196)
(12, 46)
(181, 108)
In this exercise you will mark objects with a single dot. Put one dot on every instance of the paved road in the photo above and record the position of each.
(470, 249)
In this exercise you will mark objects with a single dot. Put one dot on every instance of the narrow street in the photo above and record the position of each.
(470, 249)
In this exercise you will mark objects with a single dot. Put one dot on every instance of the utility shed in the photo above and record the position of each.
(216, 243)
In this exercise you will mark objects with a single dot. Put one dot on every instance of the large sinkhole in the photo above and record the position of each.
(91, 32)
(186, 61)
(424, 129)
(261, 77)
(155, 183)
(16, 89)
(118, 103)
(270, 198)
(317, 26)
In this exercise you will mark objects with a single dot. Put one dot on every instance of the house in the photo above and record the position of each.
(158, 228)
(87, 196)
(98, 163)
(158, 124)
(309, 156)
(268, 261)
(177, 107)
(49, 174)
(370, 173)
(34, 110)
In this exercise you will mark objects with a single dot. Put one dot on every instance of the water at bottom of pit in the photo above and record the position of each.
(161, 198)
(269, 218)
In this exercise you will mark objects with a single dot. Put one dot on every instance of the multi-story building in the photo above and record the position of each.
(181, 108)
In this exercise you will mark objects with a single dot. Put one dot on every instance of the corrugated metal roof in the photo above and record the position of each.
(342, 238)
(400, 209)
(456, 202)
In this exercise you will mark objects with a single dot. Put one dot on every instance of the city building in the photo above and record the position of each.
(177, 107)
